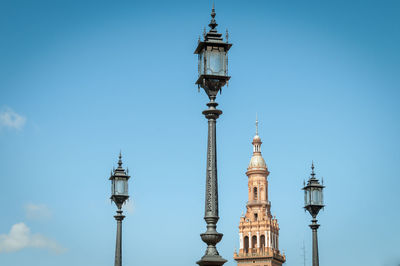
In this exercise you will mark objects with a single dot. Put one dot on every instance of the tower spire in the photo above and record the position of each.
(257, 140)
(256, 124)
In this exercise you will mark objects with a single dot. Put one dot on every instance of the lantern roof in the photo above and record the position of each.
(120, 171)
(213, 37)
(313, 181)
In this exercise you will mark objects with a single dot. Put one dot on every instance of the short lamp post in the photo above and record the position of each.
(212, 53)
(313, 203)
(119, 194)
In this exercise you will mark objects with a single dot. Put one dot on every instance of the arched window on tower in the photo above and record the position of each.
(262, 242)
(255, 193)
(246, 244)
(254, 242)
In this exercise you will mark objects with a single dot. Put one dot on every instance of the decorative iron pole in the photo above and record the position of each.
(211, 237)
(118, 246)
(119, 194)
(213, 76)
(314, 226)
(313, 203)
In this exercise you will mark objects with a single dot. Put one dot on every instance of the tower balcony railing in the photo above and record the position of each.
(259, 252)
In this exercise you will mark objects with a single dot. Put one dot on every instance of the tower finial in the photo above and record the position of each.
(256, 124)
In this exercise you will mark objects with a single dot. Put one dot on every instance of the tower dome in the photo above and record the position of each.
(256, 139)
(257, 163)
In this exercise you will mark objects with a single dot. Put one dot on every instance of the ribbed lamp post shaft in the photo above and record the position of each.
(211, 237)
(211, 204)
(314, 226)
(118, 246)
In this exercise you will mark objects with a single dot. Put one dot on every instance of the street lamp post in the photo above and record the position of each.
(213, 75)
(313, 203)
(119, 194)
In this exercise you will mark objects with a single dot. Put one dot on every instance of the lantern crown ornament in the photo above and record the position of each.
(213, 59)
(119, 184)
(313, 194)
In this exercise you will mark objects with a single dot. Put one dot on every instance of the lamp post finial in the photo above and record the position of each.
(312, 169)
(120, 159)
(213, 24)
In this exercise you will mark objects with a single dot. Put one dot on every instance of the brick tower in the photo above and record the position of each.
(258, 230)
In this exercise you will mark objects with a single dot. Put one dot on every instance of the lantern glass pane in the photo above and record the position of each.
(215, 62)
(316, 196)
(322, 197)
(120, 187)
(305, 197)
(201, 63)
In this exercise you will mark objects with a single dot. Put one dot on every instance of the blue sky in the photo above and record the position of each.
(82, 80)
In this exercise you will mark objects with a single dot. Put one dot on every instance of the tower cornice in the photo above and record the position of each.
(253, 171)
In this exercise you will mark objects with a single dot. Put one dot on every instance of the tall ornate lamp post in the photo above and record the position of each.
(313, 203)
(213, 75)
(119, 194)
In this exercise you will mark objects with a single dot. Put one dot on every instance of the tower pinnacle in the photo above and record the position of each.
(257, 141)
(256, 124)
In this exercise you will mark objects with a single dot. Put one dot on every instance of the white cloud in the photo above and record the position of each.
(128, 206)
(20, 237)
(37, 211)
(10, 119)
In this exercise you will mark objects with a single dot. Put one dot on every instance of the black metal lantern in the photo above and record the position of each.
(119, 184)
(313, 195)
(213, 59)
